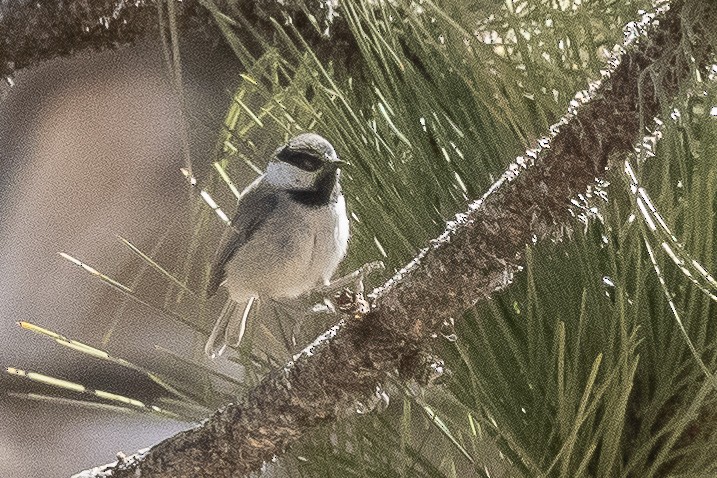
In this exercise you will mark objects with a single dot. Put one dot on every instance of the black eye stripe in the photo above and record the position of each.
(305, 161)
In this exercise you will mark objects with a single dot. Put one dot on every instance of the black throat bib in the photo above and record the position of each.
(324, 191)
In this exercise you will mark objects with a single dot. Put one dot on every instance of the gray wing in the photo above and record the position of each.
(257, 203)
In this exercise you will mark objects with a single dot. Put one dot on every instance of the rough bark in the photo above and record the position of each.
(32, 31)
(476, 256)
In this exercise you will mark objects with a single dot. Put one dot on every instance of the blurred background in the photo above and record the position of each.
(90, 148)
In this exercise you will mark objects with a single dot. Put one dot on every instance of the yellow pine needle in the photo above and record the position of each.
(212, 204)
(129, 292)
(194, 409)
(47, 380)
(62, 340)
(230, 148)
(250, 163)
(223, 174)
(190, 177)
(155, 265)
(95, 272)
(443, 428)
(251, 114)
(76, 403)
(76, 387)
(249, 79)
(232, 118)
(101, 354)
(120, 398)
(206, 196)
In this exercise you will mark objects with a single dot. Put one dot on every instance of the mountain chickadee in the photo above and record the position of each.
(289, 234)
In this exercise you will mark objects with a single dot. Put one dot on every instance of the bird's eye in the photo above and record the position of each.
(305, 161)
(310, 164)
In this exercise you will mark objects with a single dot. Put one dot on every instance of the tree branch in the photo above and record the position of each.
(476, 256)
(32, 32)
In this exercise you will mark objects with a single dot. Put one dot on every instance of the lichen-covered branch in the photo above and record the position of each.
(476, 256)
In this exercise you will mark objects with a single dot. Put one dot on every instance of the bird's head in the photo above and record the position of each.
(307, 163)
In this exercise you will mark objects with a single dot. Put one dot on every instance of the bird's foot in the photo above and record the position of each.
(354, 278)
(352, 303)
(346, 300)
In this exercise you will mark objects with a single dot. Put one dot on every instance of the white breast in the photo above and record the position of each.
(331, 235)
(296, 252)
(339, 239)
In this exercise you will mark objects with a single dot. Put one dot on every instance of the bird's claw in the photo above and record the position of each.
(352, 303)
(346, 300)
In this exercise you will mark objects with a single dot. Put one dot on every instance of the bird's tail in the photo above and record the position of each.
(229, 329)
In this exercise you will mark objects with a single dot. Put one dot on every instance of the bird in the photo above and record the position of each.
(289, 234)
